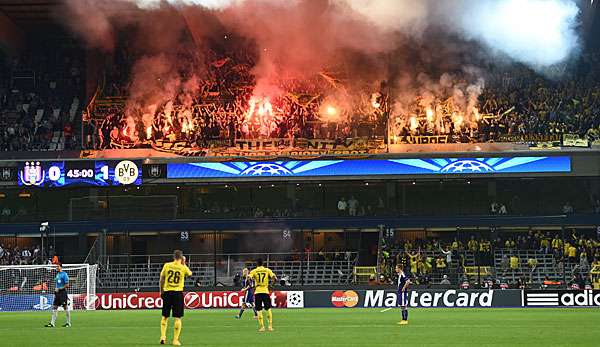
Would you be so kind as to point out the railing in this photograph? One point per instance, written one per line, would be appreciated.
(187, 223)
(89, 110)
(221, 269)
(118, 207)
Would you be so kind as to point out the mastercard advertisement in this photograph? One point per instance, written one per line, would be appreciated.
(347, 298)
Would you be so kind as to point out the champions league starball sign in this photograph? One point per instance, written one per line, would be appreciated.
(469, 166)
(267, 169)
(371, 167)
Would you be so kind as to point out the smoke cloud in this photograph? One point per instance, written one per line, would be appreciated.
(429, 48)
(535, 32)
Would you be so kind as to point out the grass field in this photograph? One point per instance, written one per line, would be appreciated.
(313, 327)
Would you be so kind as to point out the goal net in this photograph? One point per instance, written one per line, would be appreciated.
(31, 287)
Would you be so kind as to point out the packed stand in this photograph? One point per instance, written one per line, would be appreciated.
(575, 259)
(10, 255)
(219, 104)
(39, 98)
(517, 104)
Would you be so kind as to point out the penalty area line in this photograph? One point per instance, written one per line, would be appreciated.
(385, 309)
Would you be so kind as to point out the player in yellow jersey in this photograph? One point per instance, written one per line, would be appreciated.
(263, 277)
(172, 278)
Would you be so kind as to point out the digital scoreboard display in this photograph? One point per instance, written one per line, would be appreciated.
(370, 167)
(79, 173)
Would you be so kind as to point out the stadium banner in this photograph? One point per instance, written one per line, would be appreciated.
(342, 298)
(574, 140)
(561, 298)
(39, 302)
(530, 138)
(370, 167)
(192, 300)
(420, 140)
(543, 146)
(417, 298)
(293, 147)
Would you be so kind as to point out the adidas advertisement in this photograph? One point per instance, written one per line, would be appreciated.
(561, 298)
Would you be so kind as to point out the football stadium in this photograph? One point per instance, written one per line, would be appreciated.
(299, 172)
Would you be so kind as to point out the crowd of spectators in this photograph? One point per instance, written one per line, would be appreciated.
(222, 108)
(36, 90)
(10, 255)
(353, 208)
(516, 103)
(36, 94)
(519, 103)
(573, 256)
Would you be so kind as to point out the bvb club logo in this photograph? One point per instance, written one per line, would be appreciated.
(126, 172)
(347, 298)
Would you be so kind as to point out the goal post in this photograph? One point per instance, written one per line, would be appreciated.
(31, 287)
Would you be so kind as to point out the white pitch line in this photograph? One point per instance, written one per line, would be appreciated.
(385, 309)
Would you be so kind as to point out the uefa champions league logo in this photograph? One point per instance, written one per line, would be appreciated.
(275, 168)
(295, 299)
(467, 166)
(443, 166)
(266, 169)
(458, 166)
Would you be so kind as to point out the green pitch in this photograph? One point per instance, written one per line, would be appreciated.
(313, 327)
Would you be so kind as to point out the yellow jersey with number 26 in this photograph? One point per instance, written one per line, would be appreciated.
(174, 274)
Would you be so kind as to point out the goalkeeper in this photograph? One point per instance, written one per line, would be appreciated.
(61, 298)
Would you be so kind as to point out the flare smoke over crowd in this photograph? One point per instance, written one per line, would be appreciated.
(392, 56)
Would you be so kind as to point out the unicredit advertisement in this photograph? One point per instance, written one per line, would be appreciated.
(192, 300)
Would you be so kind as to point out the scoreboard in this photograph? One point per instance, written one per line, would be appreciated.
(79, 173)
(109, 173)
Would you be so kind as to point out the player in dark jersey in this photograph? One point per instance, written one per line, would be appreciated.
(248, 289)
(403, 295)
